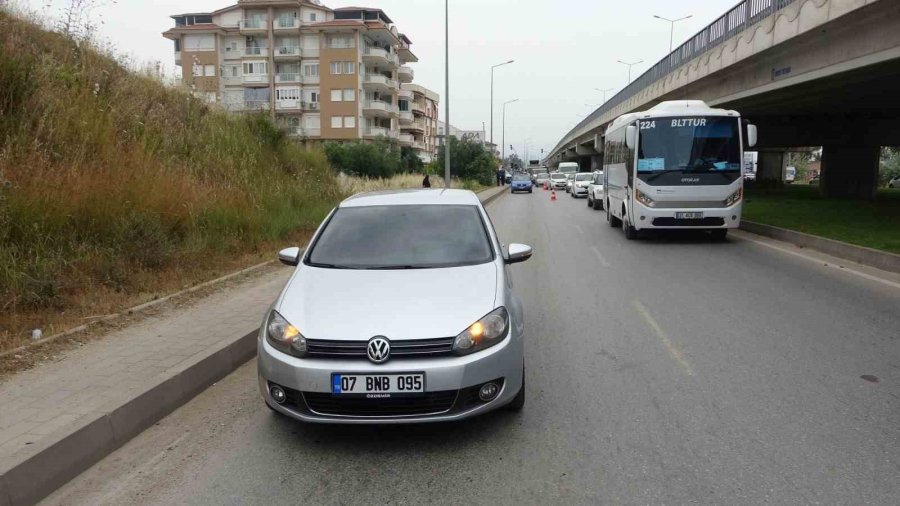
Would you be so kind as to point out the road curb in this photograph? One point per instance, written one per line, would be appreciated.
(859, 254)
(95, 436)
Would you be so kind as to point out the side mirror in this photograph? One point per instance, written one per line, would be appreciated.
(631, 136)
(518, 253)
(751, 135)
(290, 256)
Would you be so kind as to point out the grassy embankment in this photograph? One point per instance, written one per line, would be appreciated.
(115, 190)
(799, 207)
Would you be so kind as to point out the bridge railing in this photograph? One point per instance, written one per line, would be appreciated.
(733, 22)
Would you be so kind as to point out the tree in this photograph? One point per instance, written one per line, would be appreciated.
(410, 161)
(380, 158)
(468, 160)
(514, 162)
(890, 165)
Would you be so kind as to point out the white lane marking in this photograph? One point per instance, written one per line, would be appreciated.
(673, 350)
(823, 262)
(600, 257)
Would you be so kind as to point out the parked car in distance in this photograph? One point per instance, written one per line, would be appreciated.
(596, 195)
(521, 183)
(437, 332)
(570, 178)
(580, 184)
(508, 177)
(894, 183)
(558, 181)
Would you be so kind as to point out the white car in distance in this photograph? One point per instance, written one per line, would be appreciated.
(580, 184)
(596, 193)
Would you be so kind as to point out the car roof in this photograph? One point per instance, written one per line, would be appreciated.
(412, 197)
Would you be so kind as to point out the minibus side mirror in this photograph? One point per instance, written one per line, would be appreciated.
(631, 136)
(751, 135)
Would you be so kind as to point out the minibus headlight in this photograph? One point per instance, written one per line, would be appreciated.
(643, 199)
(734, 198)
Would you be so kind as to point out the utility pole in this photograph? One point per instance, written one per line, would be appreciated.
(503, 137)
(492, 95)
(672, 29)
(447, 94)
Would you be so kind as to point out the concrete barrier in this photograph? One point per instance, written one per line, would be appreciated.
(859, 254)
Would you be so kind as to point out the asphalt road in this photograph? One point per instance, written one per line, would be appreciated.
(672, 370)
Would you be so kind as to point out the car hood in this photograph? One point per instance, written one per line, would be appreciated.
(352, 305)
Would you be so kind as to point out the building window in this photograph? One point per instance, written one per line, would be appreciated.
(197, 70)
(314, 97)
(209, 70)
(349, 95)
(257, 68)
(337, 67)
(349, 67)
(287, 94)
(311, 69)
(177, 45)
(336, 95)
(349, 121)
(312, 16)
(340, 41)
(336, 122)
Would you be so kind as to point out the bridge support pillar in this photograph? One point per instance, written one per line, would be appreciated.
(770, 169)
(584, 163)
(849, 172)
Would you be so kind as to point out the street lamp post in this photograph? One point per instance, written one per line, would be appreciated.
(503, 136)
(492, 95)
(672, 29)
(631, 64)
(447, 94)
(604, 93)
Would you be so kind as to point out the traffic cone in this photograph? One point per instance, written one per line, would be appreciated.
(553, 195)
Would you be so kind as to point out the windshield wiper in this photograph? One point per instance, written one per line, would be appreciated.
(327, 266)
(394, 267)
(656, 175)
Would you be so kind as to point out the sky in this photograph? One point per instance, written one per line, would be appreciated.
(563, 51)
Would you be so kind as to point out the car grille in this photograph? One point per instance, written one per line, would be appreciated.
(674, 222)
(420, 348)
(432, 403)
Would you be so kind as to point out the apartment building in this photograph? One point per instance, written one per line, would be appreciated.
(324, 74)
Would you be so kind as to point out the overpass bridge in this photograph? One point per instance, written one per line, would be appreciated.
(807, 72)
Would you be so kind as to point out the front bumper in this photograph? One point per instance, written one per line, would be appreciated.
(713, 218)
(580, 190)
(521, 188)
(444, 376)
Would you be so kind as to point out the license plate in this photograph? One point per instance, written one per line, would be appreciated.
(378, 385)
(689, 216)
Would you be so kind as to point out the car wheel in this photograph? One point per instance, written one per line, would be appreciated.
(719, 234)
(598, 205)
(631, 233)
(530, 191)
(590, 203)
(518, 401)
(613, 221)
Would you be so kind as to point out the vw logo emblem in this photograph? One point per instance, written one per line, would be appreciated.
(379, 349)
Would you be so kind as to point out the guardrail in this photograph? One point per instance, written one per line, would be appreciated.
(736, 20)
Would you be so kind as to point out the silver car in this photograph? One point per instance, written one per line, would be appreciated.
(580, 184)
(400, 311)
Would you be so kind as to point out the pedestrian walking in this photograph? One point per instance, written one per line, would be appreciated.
(501, 177)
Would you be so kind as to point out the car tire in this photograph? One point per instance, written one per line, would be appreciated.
(613, 221)
(631, 233)
(719, 234)
(590, 203)
(518, 402)
(598, 205)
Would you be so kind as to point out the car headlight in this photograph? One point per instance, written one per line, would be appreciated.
(285, 337)
(643, 199)
(483, 334)
(734, 198)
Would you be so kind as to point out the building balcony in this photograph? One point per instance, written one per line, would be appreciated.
(416, 126)
(288, 77)
(417, 108)
(406, 117)
(418, 146)
(256, 79)
(379, 108)
(258, 52)
(310, 52)
(310, 106)
(256, 105)
(286, 23)
(232, 80)
(288, 105)
(406, 74)
(310, 132)
(406, 139)
(378, 56)
(254, 25)
(375, 132)
(405, 95)
(378, 82)
(287, 53)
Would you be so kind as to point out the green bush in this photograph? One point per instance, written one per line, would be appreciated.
(469, 160)
(377, 159)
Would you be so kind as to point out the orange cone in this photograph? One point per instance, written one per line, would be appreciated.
(553, 195)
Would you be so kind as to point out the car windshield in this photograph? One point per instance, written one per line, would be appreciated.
(402, 237)
(584, 177)
(557, 176)
(521, 177)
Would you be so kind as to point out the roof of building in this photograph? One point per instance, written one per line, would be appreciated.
(365, 9)
(411, 198)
